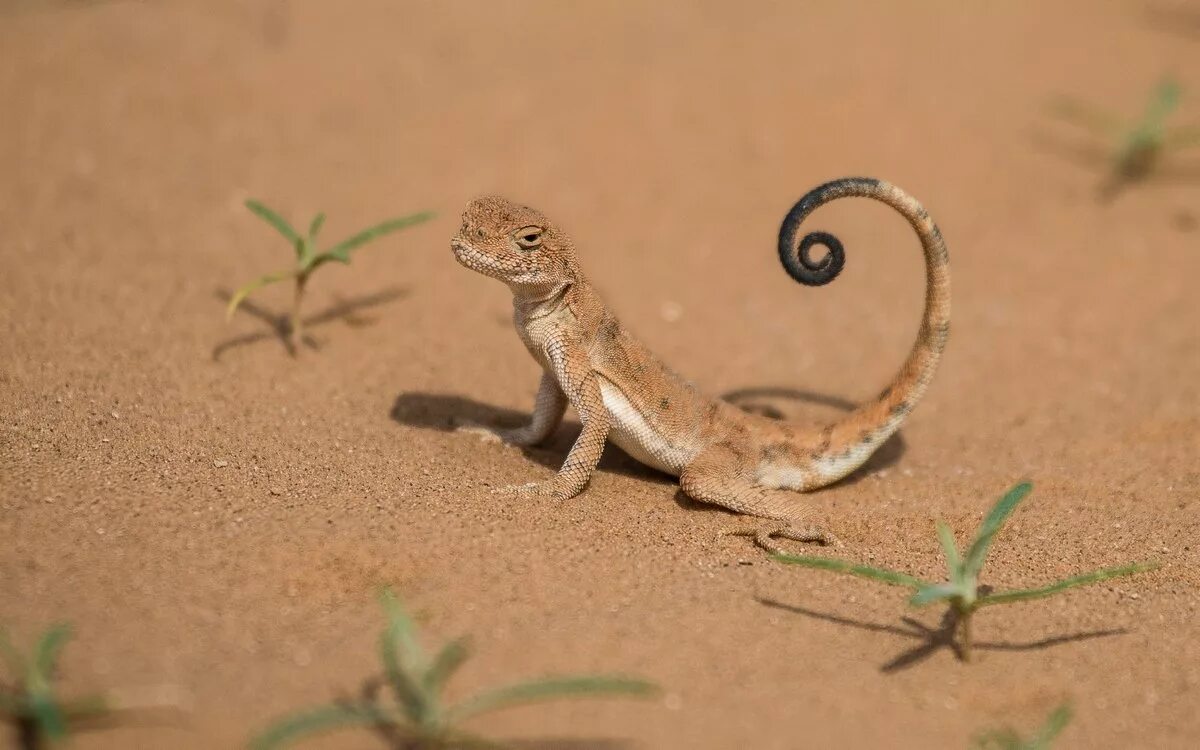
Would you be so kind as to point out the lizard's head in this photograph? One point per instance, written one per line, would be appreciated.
(515, 244)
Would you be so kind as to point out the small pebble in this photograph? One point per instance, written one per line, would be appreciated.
(220, 463)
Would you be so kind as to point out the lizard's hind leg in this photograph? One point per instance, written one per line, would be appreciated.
(724, 476)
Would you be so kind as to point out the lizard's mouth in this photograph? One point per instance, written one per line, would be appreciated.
(471, 258)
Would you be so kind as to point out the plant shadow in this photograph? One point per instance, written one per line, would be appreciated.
(30, 736)
(448, 413)
(345, 310)
(399, 737)
(1173, 19)
(933, 639)
(1166, 171)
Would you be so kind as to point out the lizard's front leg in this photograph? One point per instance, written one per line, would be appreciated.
(578, 382)
(548, 410)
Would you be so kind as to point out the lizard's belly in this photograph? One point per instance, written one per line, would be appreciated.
(634, 435)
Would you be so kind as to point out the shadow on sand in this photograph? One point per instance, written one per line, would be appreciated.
(930, 640)
(447, 412)
(278, 326)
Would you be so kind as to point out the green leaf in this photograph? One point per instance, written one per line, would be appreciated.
(315, 227)
(321, 719)
(259, 283)
(977, 553)
(45, 653)
(1162, 103)
(549, 689)
(342, 250)
(274, 220)
(446, 663)
(1054, 725)
(46, 714)
(950, 550)
(402, 658)
(999, 739)
(844, 566)
(402, 629)
(937, 592)
(321, 259)
(1084, 579)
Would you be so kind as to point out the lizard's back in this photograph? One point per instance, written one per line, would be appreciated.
(658, 417)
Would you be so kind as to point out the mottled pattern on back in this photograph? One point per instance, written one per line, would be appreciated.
(624, 394)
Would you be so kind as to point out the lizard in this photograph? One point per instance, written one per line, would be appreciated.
(722, 455)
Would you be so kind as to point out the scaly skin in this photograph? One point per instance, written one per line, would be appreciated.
(622, 392)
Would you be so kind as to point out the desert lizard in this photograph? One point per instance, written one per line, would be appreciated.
(623, 393)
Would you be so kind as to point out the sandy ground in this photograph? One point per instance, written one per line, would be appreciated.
(216, 515)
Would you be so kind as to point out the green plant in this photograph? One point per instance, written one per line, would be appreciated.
(30, 702)
(962, 591)
(1137, 147)
(417, 718)
(1008, 739)
(309, 259)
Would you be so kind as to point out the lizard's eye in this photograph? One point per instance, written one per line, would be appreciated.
(529, 237)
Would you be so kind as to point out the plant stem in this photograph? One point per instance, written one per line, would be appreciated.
(295, 327)
(964, 628)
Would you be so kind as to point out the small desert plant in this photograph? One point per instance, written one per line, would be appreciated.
(962, 591)
(309, 259)
(1008, 739)
(418, 718)
(29, 702)
(1137, 147)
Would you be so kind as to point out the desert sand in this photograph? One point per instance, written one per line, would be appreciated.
(214, 514)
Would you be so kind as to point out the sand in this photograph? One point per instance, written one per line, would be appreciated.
(216, 515)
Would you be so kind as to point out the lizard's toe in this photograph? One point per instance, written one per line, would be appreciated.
(763, 536)
(808, 534)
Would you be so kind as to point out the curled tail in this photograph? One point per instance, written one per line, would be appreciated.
(846, 444)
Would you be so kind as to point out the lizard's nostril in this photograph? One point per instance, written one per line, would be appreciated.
(479, 232)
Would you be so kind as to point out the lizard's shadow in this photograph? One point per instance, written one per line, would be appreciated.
(797, 406)
(447, 412)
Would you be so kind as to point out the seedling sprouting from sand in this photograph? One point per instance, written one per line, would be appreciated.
(417, 718)
(29, 701)
(1008, 739)
(309, 258)
(1137, 147)
(963, 592)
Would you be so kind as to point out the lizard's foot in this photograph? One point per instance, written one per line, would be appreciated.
(764, 533)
